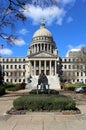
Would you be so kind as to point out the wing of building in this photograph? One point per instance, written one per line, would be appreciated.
(74, 66)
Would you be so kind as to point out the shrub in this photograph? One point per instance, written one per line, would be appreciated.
(2, 90)
(71, 87)
(7, 86)
(51, 91)
(15, 87)
(44, 102)
(84, 87)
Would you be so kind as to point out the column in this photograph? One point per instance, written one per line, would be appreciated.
(40, 47)
(50, 67)
(45, 67)
(34, 67)
(55, 67)
(34, 48)
(50, 48)
(30, 68)
(47, 47)
(44, 47)
(37, 48)
(39, 66)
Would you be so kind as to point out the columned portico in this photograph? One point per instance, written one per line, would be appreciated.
(47, 66)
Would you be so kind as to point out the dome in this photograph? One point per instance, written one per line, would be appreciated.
(42, 32)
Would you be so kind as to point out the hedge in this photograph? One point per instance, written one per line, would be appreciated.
(2, 90)
(71, 87)
(15, 87)
(51, 91)
(44, 102)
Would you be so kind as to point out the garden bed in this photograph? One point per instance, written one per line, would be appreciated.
(52, 102)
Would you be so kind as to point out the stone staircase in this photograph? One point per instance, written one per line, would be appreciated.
(53, 82)
(33, 83)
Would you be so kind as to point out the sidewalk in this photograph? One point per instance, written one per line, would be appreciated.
(39, 121)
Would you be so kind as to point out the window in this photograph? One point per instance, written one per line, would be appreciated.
(77, 66)
(11, 60)
(15, 66)
(65, 60)
(73, 60)
(15, 60)
(7, 66)
(7, 80)
(69, 66)
(73, 73)
(7, 74)
(73, 66)
(81, 73)
(19, 59)
(77, 80)
(73, 80)
(23, 59)
(81, 67)
(23, 73)
(77, 73)
(11, 80)
(11, 66)
(7, 60)
(65, 66)
(19, 66)
(10, 73)
(19, 80)
(23, 66)
(69, 60)
(15, 80)
(24, 80)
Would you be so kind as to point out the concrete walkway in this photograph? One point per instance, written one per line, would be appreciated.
(39, 121)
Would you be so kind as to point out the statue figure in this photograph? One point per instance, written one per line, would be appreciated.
(42, 82)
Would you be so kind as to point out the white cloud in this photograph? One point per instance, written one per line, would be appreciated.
(70, 47)
(50, 13)
(69, 19)
(18, 42)
(23, 31)
(5, 51)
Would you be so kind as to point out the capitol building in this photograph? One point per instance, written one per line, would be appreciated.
(42, 56)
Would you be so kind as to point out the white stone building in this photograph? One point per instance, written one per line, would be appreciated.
(74, 66)
(42, 56)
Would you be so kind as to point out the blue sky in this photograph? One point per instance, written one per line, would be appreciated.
(67, 23)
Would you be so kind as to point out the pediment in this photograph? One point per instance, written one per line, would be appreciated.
(43, 54)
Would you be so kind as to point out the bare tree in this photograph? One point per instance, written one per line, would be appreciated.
(68, 76)
(12, 11)
(9, 14)
(80, 60)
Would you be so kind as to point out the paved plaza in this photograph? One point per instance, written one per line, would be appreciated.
(42, 121)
